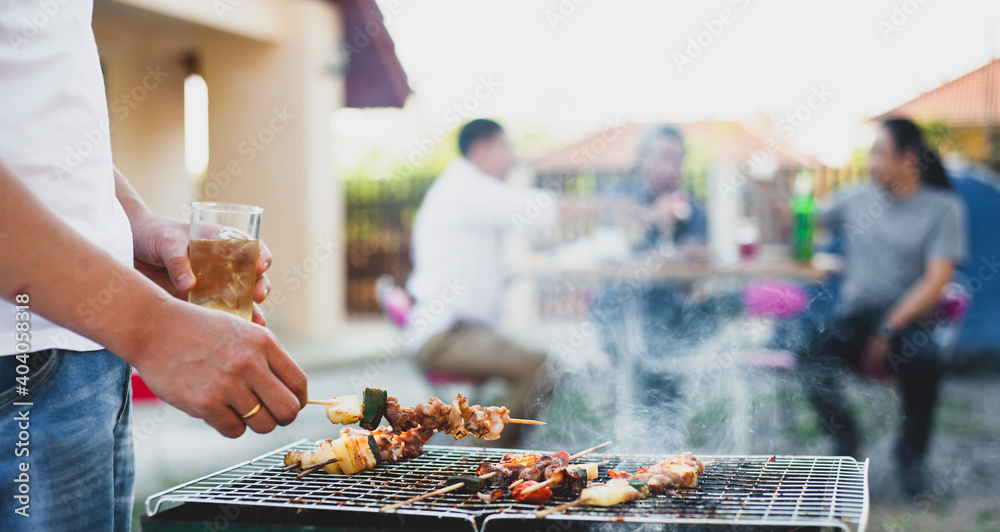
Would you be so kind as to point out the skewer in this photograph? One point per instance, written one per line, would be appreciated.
(429, 494)
(553, 480)
(511, 420)
(316, 467)
(525, 421)
(318, 402)
(539, 486)
(585, 452)
(542, 513)
(513, 485)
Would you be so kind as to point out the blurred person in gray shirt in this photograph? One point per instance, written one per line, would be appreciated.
(903, 237)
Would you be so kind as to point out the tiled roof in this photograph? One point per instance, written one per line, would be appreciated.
(605, 151)
(971, 100)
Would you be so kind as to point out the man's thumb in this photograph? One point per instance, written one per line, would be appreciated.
(175, 258)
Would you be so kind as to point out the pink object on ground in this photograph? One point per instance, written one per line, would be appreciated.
(397, 305)
(441, 378)
(140, 392)
(771, 359)
(774, 299)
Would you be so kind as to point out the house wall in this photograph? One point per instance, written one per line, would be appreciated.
(273, 81)
(275, 103)
(972, 142)
(144, 81)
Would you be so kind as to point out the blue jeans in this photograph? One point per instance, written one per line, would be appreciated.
(76, 443)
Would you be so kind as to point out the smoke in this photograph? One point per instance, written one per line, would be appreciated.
(667, 371)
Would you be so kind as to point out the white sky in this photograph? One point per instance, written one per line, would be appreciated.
(614, 58)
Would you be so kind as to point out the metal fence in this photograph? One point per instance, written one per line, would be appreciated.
(380, 217)
(379, 221)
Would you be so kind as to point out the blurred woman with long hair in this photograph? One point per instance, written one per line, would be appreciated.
(903, 235)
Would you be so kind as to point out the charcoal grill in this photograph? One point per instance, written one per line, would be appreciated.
(734, 493)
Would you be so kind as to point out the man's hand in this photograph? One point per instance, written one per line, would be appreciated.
(161, 254)
(663, 213)
(217, 367)
(210, 364)
(667, 209)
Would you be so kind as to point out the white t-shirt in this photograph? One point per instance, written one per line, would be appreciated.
(54, 118)
(458, 274)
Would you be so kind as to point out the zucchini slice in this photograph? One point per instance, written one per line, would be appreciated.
(373, 447)
(472, 483)
(374, 408)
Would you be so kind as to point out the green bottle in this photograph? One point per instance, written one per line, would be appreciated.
(803, 216)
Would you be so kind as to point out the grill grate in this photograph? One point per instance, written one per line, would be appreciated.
(791, 491)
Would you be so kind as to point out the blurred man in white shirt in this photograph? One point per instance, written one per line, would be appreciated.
(458, 275)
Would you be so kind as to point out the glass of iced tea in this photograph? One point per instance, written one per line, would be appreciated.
(223, 253)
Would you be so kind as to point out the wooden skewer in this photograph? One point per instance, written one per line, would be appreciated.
(539, 486)
(542, 513)
(585, 452)
(299, 464)
(429, 494)
(553, 480)
(592, 449)
(511, 420)
(459, 485)
(318, 402)
(525, 421)
(316, 467)
(306, 472)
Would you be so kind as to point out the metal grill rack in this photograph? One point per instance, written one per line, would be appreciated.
(743, 491)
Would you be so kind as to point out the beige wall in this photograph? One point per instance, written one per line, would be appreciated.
(274, 149)
(270, 100)
(145, 86)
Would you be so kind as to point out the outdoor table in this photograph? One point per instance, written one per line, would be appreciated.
(651, 270)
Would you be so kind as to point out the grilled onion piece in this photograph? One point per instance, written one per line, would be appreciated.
(346, 410)
(611, 493)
